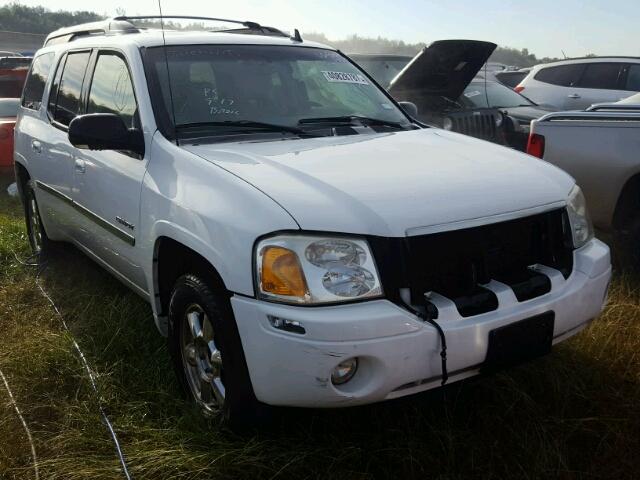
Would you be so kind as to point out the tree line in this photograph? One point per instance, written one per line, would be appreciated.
(20, 18)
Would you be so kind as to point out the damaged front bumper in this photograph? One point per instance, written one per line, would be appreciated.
(398, 353)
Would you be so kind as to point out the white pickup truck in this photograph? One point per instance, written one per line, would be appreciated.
(599, 148)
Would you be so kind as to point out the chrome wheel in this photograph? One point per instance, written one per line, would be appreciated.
(201, 358)
(35, 226)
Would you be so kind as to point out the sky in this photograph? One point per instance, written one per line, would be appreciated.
(545, 27)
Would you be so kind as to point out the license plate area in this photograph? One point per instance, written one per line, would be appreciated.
(519, 342)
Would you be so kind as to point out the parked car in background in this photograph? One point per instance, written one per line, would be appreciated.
(302, 241)
(8, 113)
(511, 78)
(490, 69)
(433, 81)
(13, 72)
(580, 82)
(599, 148)
(518, 110)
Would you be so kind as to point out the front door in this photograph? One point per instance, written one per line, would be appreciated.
(107, 183)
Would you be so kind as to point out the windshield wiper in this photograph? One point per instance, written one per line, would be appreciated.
(350, 120)
(243, 125)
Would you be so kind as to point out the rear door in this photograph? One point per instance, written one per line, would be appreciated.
(53, 171)
(553, 85)
(599, 82)
(107, 183)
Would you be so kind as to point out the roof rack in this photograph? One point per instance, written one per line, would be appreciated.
(68, 34)
(124, 24)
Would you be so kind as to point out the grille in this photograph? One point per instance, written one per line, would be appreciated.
(479, 124)
(456, 264)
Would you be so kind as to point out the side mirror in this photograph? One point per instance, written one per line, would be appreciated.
(104, 131)
(410, 108)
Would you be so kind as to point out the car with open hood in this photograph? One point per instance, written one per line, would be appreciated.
(517, 109)
(433, 81)
(302, 241)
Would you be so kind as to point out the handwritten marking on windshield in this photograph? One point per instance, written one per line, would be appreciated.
(219, 105)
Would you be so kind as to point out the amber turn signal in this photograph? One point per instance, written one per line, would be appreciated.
(281, 273)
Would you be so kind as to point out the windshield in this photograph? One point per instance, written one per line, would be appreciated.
(9, 107)
(498, 95)
(277, 85)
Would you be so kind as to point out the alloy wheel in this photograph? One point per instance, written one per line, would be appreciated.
(202, 359)
(35, 226)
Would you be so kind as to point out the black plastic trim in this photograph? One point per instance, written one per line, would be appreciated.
(125, 237)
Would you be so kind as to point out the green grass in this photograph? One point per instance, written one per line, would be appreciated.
(573, 414)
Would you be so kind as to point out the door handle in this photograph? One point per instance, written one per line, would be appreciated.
(574, 95)
(36, 146)
(79, 165)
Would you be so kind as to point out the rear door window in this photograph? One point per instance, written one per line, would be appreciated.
(67, 102)
(34, 88)
(563, 75)
(603, 76)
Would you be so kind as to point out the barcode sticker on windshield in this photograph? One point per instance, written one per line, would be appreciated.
(343, 77)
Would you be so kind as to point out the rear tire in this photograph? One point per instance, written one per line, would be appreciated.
(207, 353)
(40, 243)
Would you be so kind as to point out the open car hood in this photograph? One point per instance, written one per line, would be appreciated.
(444, 68)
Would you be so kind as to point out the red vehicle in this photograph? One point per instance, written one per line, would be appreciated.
(13, 73)
(8, 113)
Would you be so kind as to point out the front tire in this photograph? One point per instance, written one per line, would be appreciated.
(207, 353)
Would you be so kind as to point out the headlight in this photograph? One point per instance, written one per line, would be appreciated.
(447, 123)
(581, 227)
(312, 270)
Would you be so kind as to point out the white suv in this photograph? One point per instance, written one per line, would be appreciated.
(579, 83)
(300, 239)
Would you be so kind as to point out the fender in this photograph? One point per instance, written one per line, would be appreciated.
(208, 210)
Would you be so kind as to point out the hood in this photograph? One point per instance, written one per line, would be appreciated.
(388, 184)
(632, 100)
(444, 68)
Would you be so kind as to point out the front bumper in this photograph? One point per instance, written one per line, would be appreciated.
(398, 353)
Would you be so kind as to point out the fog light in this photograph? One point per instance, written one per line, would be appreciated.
(344, 371)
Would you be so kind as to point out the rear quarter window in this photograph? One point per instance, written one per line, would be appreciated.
(562, 75)
(633, 79)
(36, 81)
